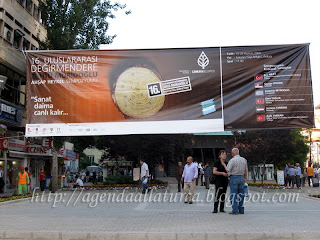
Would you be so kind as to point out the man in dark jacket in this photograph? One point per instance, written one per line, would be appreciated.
(207, 174)
(179, 176)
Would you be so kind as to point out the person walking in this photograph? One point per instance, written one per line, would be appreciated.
(298, 175)
(237, 169)
(220, 171)
(1, 180)
(207, 174)
(42, 177)
(179, 176)
(189, 176)
(23, 181)
(310, 172)
(291, 176)
(144, 175)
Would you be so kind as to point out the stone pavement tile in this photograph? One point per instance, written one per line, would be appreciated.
(251, 236)
(18, 235)
(74, 236)
(221, 236)
(46, 235)
(162, 236)
(279, 236)
(133, 236)
(306, 236)
(1, 235)
(192, 236)
(104, 236)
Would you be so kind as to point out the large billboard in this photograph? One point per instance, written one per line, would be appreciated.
(194, 90)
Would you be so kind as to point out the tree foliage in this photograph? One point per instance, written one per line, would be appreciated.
(278, 147)
(75, 24)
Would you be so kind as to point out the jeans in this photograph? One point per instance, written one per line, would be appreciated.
(298, 181)
(207, 182)
(42, 184)
(144, 185)
(237, 193)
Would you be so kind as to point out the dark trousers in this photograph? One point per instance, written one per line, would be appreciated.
(1, 185)
(201, 176)
(207, 179)
(291, 181)
(220, 195)
(180, 183)
(310, 180)
(298, 181)
(42, 185)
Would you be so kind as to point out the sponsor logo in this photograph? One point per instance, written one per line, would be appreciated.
(203, 60)
(261, 118)
(258, 77)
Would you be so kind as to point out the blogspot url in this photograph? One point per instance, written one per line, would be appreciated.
(93, 199)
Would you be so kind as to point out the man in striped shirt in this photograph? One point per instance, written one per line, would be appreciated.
(238, 170)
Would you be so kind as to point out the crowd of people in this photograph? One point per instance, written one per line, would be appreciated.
(84, 176)
(297, 176)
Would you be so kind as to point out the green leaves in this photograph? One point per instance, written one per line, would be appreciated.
(77, 24)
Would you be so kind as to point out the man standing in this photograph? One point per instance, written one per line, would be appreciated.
(286, 176)
(238, 170)
(189, 176)
(144, 174)
(298, 175)
(179, 176)
(1, 180)
(23, 180)
(207, 174)
(29, 184)
(310, 171)
(42, 176)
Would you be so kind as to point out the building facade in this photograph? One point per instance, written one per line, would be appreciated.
(20, 29)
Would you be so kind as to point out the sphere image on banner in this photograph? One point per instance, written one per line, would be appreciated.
(131, 93)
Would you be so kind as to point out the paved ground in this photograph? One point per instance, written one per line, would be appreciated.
(164, 218)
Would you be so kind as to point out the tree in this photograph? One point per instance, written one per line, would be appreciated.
(74, 24)
(277, 146)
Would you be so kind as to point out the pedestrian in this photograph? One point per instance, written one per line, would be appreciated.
(316, 172)
(2, 183)
(275, 175)
(221, 184)
(202, 174)
(207, 174)
(29, 184)
(310, 171)
(298, 175)
(144, 175)
(87, 175)
(94, 177)
(286, 174)
(23, 180)
(197, 164)
(189, 176)
(42, 177)
(83, 176)
(179, 176)
(237, 170)
(78, 183)
(291, 176)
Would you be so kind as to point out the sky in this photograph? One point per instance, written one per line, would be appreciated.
(211, 23)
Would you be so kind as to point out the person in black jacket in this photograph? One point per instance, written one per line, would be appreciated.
(220, 172)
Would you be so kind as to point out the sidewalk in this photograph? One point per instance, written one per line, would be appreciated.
(159, 220)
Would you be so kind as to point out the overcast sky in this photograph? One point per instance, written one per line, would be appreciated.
(210, 23)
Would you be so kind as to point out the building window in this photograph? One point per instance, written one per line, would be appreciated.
(22, 2)
(29, 5)
(91, 158)
(26, 44)
(17, 38)
(35, 12)
(33, 47)
(14, 90)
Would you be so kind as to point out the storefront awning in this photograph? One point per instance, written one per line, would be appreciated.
(17, 154)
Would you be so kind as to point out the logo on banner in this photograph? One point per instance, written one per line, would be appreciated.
(203, 60)
(258, 77)
(258, 85)
(4, 143)
(154, 89)
(260, 109)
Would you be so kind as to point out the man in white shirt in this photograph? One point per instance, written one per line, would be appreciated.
(189, 176)
(79, 182)
(144, 174)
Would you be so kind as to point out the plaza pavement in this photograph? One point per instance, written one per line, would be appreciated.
(149, 220)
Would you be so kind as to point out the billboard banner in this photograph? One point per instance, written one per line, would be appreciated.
(195, 90)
